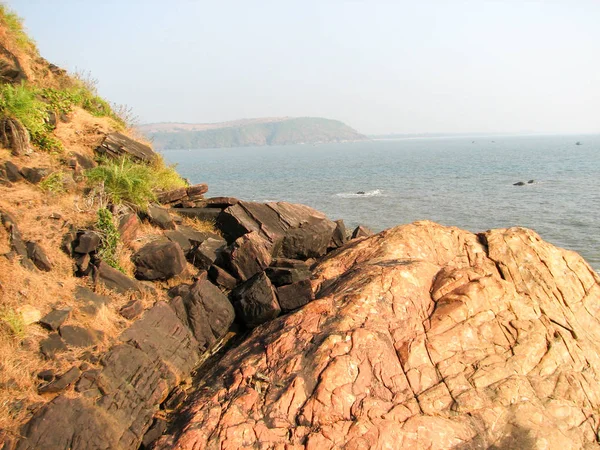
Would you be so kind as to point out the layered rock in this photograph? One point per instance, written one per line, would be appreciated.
(421, 336)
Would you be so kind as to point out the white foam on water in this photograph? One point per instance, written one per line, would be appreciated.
(374, 193)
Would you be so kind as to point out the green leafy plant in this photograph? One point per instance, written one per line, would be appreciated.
(14, 321)
(134, 183)
(109, 234)
(53, 183)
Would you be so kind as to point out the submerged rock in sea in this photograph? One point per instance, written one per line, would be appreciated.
(421, 336)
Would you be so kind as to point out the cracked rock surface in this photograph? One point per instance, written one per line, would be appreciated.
(421, 336)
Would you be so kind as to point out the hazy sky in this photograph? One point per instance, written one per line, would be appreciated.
(380, 66)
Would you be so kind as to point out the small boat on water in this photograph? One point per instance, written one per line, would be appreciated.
(577, 143)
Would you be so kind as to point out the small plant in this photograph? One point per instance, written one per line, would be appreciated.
(14, 321)
(107, 250)
(53, 183)
(133, 183)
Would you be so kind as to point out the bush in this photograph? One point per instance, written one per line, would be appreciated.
(53, 183)
(107, 250)
(133, 183)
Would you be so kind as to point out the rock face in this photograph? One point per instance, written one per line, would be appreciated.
(421, 336)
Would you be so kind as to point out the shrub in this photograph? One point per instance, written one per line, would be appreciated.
(107, 251)
(53, 183)
(134, 183)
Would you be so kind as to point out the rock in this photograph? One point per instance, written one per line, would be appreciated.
(361, 231)
(12, 172)
(55, 318)
(61, 382)
(255, 301)
(205, 254)
(205, 214)
(83, 264)
(293, 231)
(132, 310)
(29, 314)
(117, 145)
(77, 336)
(52, 345)
(531, 182)
(46, 375)
(519, 183)
(129, 226)
(68, 242)
(290, 263)
(220, 202)
(206, 311)
(280, 276)
(179, 291)
(35, 174)
(87, 242)
(421, 336)
(196, 190)
(91, 302)
(196, 237)
(159, 260)
(340, 235)
(84, 161)
(160, 217)
(294, 296)
(113, 279)
(37, 255)
(246, 257)
(180, 238)
(221, 277)
(14, 135)
(156, 430)
(87, 382)
(172, 195)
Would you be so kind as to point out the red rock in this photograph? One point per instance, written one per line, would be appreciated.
(422, 336)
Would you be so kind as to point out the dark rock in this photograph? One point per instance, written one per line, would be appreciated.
(340, 235)
(52, 345)
(247, 256)
(159, 260)
(87, 242)
(132, 310)
(290, 263)
(160, 217)
(12, 172)
(129, 226)
(281, 276)
(196, 237)
(179, 291)
(220, 202)
(68, 242)
(82, 261)
(156, 430)
(361, 231)
(207, 214)
(62, 382)
(205, 254)
(304, 231)
(14, 135)
(221, 277)
(180, 238)
(35, 174)
(113, 279)
(175, 399)
(172, 196)
(531, 182)
(55, 318)
(91, 301)
(293, 296)
(255, 301)
(46, 375)
(87, 381)
(69, 423)
(78, 336)
(519, 183)
(17, 244)
(197, 189)
(37, 255)
(208, 312)
(84, 161)
(117, 145)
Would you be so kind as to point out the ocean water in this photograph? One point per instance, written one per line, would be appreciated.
(464, 182)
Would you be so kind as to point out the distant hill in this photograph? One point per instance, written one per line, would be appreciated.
(249, 132)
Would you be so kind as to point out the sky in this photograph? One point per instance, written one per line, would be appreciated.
(381, 66)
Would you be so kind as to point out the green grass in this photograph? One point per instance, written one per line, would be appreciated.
(133, 183)
(109, 233)
(53, 183)
(15, 24)
(14, 321)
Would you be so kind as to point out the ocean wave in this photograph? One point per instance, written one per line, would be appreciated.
(361, 194)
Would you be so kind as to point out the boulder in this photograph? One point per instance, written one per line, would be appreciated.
(159, 260)
(132, 309)
(35, 174)
(422, 336)
(117, 145)
(14, 135)
(172, 195)
(294, 296)
(340, 235)
(89, 300)
(76, 336)
(129, 227)
(52, 345)
(361, 231)
(221, 278)
(293, 231)
(220, 202)
(160, 217)
(205, 214)
(83, 264)
(37, 255)
(55, 318)
(205, 254)
(255, 301)
(113, 279)
(290, 263)
(196, 190)
(246, 257)
(281, 276)
(196, 237)
(206, 311)
(62, 382)
(87, 242)
(180, 238)
(13, 173)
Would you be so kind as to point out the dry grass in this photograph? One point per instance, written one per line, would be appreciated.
(205, 226)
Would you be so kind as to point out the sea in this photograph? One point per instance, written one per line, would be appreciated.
(466, 182)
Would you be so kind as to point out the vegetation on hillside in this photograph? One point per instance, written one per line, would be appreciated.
(301, 130)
